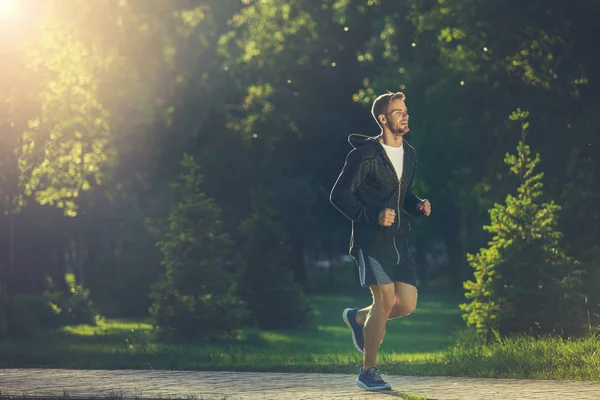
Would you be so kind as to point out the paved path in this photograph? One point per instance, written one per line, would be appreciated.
(274, 386)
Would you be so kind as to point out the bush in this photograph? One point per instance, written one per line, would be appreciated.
(590, 288)
(31, 313)
(74, 306)
(187, 316)
(193, 298)
(523, 281)
(266, 281)
(4, 312)
(119, 276)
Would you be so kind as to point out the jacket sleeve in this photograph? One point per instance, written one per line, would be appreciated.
(343, 195)
(411, 203)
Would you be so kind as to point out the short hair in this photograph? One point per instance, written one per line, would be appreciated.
(381, 103)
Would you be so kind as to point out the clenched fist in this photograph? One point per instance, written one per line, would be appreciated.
(387, 217)
(425, 207)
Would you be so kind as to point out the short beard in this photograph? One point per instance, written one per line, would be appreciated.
(400, 131)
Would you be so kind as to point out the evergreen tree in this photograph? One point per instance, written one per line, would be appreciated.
(266, 281)
(524, 282)
(193, 298)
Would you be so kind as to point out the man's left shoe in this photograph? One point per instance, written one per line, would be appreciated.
(358, 338)
(371, 380)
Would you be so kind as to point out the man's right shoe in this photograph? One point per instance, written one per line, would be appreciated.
(371, 380)
(358, 338)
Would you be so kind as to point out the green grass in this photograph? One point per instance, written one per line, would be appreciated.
(426, 343)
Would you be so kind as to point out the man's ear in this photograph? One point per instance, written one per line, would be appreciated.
(382, 118)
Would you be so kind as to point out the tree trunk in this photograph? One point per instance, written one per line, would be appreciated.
(11, 244)
(298, 267)
(331, 271)
(58, 269)
(456, 252)
(81, 261)
(6, 281)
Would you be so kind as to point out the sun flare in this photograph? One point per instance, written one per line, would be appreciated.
(8, 8)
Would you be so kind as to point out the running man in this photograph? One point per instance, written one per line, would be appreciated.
(374, 192)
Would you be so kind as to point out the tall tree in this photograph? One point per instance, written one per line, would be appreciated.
(541, 57)
(192, 299)
(524, 282)
(297, 65)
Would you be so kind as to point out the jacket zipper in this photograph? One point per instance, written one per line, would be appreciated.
(398, 217)
(398, 203)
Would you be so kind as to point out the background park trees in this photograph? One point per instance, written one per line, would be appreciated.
(99, 101)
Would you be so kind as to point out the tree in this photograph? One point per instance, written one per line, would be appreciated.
(193, 298)
(65, 146)
(265, 281)
(53, 139)
(296, 68)
(524, 281)
(540, 58)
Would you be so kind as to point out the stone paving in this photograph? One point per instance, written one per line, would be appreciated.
(148, 384)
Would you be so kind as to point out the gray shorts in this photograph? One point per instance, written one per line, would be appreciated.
(384, 270)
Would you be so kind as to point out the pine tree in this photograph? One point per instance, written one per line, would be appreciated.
(193, 298)
(524, 281)
(266, 280)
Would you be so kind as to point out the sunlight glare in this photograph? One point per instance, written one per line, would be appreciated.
(8, 8)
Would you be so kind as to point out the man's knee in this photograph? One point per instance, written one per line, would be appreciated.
(402, 310)
(386, 306)
(383, 302)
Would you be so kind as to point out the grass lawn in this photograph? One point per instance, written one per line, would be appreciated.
(428, 342)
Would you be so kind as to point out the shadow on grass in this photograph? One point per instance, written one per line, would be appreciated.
(126, 344)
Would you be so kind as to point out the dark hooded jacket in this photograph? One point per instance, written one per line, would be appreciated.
(367, 185)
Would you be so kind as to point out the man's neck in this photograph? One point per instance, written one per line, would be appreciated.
(389, 139)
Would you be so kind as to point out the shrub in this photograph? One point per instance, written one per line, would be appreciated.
(73, 306)
(266, 281)
(590, 288)
(30, 313)
(193, 298)
(524, 282)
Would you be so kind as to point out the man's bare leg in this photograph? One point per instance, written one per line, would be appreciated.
(405, 303)
(405, 300)
(383, 303)
(361, 315)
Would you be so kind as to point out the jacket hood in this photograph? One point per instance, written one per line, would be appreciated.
(357, 140)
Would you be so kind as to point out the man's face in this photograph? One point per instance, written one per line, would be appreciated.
(397, 117)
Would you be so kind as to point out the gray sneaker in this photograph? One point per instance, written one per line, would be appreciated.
(358, 338)
(371, 380)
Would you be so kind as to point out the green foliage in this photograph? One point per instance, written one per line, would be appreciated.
(65, 147)
(524, 356)
(267, 36)
(540, 50)
(192, 299)
(30, 313)
(266, 281)
(408, 349)
(107, 95)
(524, 282)
(33, 313)
(591, 277)
(74, 306)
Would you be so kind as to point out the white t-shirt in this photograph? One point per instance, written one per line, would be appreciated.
(396, 156)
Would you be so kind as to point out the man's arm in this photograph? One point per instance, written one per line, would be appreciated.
(416, 206)
(343, 194)
(412, 203)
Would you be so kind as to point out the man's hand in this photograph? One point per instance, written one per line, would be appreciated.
(424, 207)
(387, 217)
